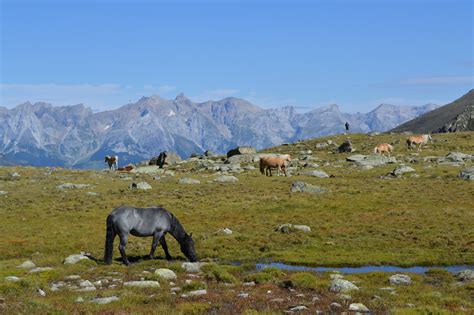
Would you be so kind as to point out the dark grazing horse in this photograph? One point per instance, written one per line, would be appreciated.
(154, 221)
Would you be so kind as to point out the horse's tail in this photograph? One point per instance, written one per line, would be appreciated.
(390, 148)
(109, 241)
(376, 150)
(408, 143)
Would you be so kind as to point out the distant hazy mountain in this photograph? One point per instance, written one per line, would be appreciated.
(455, 116)
(41, 134)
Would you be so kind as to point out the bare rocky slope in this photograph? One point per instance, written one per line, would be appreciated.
(455, 116)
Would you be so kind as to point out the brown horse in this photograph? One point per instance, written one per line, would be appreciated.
(112, 161)
(418, 140)
(267, 163)
(383, 148)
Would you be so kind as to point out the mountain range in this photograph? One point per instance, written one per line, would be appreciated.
(41, 134)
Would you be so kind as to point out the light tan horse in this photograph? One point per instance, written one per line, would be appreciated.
(267, 163)
(418, 140)
(383, 148)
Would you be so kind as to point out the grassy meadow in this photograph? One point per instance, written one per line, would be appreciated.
(363, 219)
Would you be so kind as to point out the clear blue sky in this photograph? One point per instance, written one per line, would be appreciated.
(305, 53)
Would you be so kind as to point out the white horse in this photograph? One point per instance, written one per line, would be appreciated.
(112, 161)
(418, 140)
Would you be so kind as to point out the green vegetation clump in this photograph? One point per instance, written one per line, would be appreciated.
(307, 280)
(270, 274)
(218, 273)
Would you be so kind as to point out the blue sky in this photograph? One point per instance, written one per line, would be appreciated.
(357, 54)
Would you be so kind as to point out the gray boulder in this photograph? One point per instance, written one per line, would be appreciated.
(306, 188)
(142, 284)
(241, 150)
(458, 157)
(73, 186)
(190, 181)
(358, 307)
(288, 228)
(400, 279)
(402, 169)
(372, 160)
(191, 267)
(226, 179)
(75, 258)
(27, 265)
(105, 300)
(316, 173)
(467, 174)
(209, 154)
(167, 274)
(342, 285)
(465, 275)
(141, 185)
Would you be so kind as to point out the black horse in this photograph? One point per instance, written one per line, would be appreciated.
(154, 221)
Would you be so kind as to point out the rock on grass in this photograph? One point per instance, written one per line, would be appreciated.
(142, 284)
(400, 279)
(74, 259)
(341, 285)
(165, 273)
(306, 188)
(467, 174)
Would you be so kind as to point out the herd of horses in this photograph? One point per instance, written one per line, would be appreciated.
(157, 221)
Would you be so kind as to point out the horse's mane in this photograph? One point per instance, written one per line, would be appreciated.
(176, 229)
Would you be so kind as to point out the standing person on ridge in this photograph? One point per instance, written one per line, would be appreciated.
(347, 126)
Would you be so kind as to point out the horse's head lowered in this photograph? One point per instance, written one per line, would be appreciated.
(107, 158)
(187, 247)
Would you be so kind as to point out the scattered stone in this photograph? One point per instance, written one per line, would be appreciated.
(321, 145)
(335, 306)
(15, 175)
(388, 289)
(73, 277)
(226, 179)
(467, 174)
(3, 193)
(243, 295)
(249, 284)
(299, 308)
(142, 284)
(75, 258)
(198, 292)
(92, 194)
(192, 267)
(400, 279)
(372, 160)
(12, 279)
(226, 231)
(402, 169)
(27, 265)
(105, 300)
(80, 299)
(306, 188)
(288, 228)
(141, 185)
(41, 292)
(165, 273)
(175, 289)
(341, 285)
(336, 276)
(316, 173)
(85, 283)
(73, 186)
(40, 269)
(465, 275)
(458, 157)
(344, 297)
(358, 307)
(188, 181)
